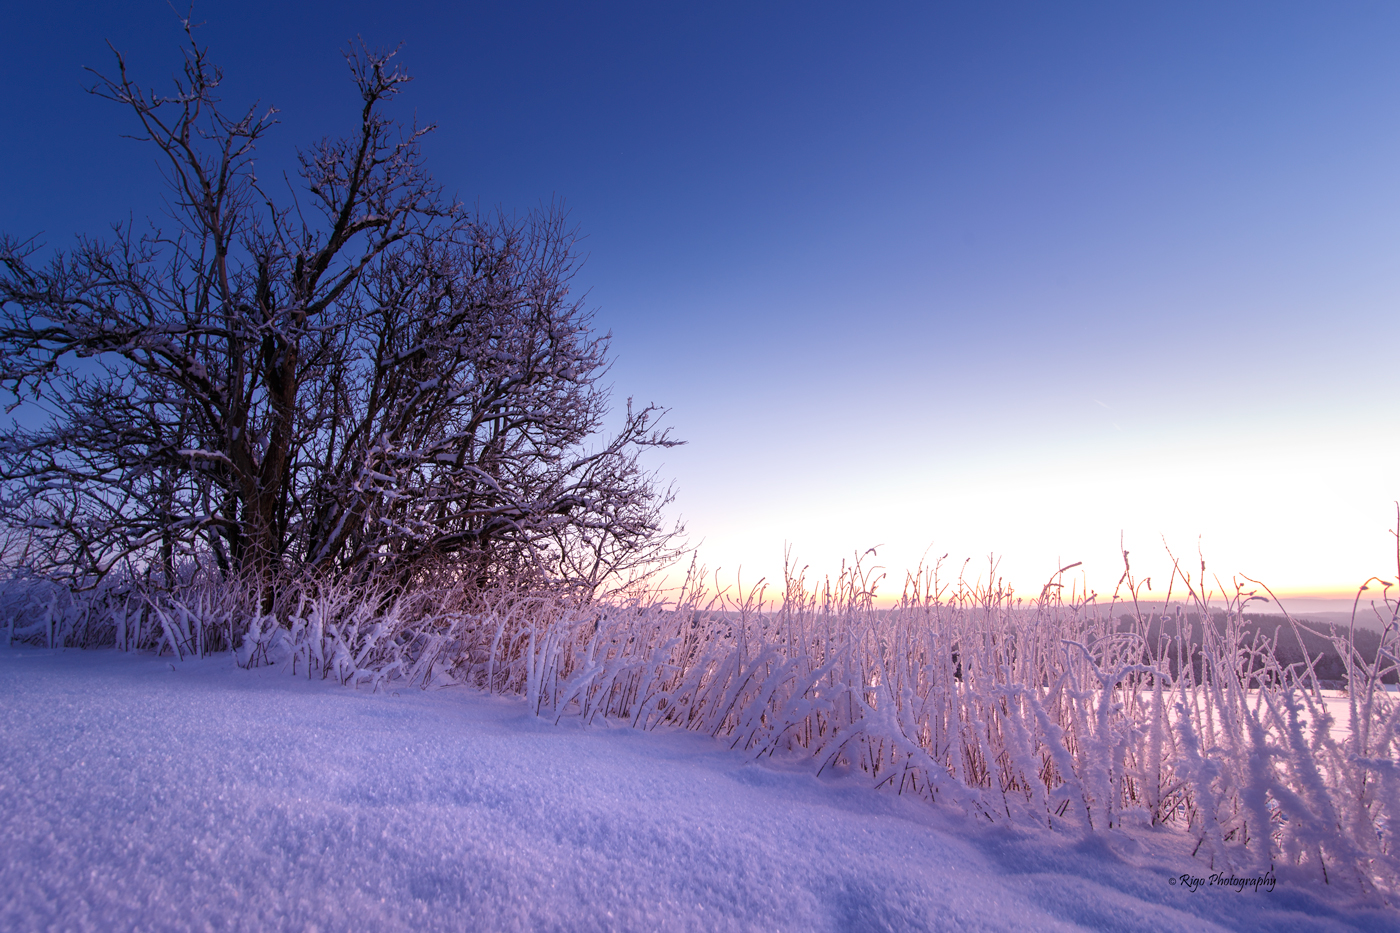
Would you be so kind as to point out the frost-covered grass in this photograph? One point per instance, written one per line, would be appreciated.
(1081, 717)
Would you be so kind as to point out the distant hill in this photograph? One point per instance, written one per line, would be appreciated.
(1329, 666)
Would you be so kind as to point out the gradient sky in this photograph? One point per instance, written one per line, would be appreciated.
(955, 278)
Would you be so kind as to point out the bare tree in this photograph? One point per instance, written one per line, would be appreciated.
(366, 378)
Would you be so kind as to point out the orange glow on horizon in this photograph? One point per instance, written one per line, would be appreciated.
(890, 587)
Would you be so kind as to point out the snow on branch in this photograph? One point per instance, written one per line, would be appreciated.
(365, 379)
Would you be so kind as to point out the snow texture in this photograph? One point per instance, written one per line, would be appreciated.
(156, 794)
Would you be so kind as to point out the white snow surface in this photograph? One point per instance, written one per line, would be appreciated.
(148, 793)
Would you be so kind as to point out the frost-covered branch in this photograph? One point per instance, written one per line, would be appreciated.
(367, 379)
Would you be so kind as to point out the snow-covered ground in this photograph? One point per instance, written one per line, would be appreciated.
(145, 793)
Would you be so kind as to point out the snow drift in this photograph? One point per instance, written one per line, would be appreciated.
(160, 794)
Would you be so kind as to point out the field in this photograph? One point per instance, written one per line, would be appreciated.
(161, 794)
(1203, 733)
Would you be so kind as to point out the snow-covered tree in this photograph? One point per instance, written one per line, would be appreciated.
(359, 378)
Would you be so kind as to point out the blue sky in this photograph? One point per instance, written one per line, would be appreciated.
(1012, 278)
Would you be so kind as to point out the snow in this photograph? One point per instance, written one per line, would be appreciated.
(143, 792)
